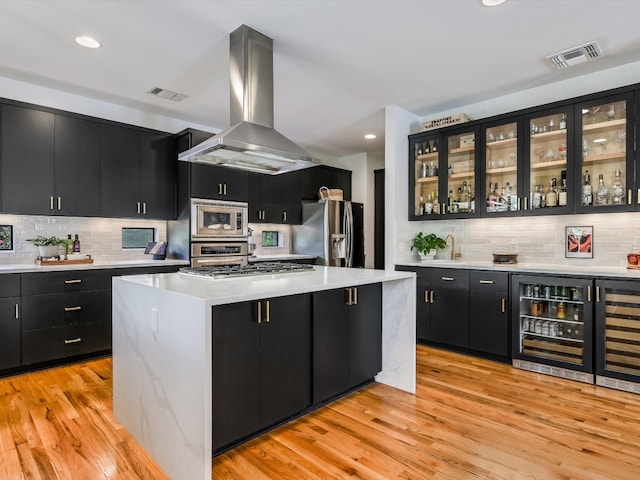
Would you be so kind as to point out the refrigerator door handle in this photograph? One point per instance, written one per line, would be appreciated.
(347, 227)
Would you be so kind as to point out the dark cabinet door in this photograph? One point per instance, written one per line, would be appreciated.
(450, 308)
(158, 173)
(489, 313)
(423, 307)
(235, 184)
(292, 198)
(255, 197)
(324, 176)
(285, 342)
(27, 160)
(78, 183)
(9, 332)
(365, 333)
(271, 198)
(205, 181)
(236, 373)
(120, 153)
(330, 344)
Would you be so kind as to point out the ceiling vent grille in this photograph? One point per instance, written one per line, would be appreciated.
(573, 56)
(167, 94)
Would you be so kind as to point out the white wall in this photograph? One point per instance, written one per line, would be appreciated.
(537, 239)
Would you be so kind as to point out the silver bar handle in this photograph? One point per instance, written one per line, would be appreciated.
(51, 202)
(268, 306)
(355, 296)
(431, 296)
(224, 190)
(487, 282)
(73, 340)
(144, 208)
(503, 305)
(448, 279)
(59, 203)
(77, 280)
(518, 204)
(526, 203)
(284, 216)
(138, 209)
(630, 197)
(72, 309)
(17, 311)
(598, 294)
(589, 293)
(426, 296)
(349, 296)
(259, 313)
(219, 189)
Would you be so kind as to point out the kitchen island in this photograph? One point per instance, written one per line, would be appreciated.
(162, 350)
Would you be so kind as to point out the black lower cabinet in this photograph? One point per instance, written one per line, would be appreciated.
(347, 339)
(261, 365)
(489, 313)
(9, 332)
(450, 307)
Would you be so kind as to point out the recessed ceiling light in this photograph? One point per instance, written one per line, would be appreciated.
(492, 3)
(370, 136)
(88, 42)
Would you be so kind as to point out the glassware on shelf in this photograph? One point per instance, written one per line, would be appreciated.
(621, 140)
(611, 113)
(562, 151)
(550, 155)
(539, 151)
(617, 190)
(586, 149)
(602, 193)
(425, 170)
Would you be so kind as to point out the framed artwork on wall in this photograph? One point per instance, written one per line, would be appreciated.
(579, 242)
(6, 237)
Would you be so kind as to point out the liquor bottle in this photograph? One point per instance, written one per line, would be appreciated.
(459, 205)
(68, 244)
(563, 123)
(76, 244)
(425, 170)
(421, 206)
(602, 193)
(492, 200)
(587, 191)
(464, 197)
(453, 206)
(562, 196)
(428, 207)
(472, 199)
(425, 148)
(436, 203)
(617, 190)
(552, 196)
(551, 124)
(432, 170)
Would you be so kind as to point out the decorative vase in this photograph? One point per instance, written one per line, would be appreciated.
(48, 251)
(427, 256)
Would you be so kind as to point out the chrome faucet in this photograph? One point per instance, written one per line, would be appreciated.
(454, 254)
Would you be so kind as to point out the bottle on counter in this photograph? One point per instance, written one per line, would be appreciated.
(617, 190)
(68, 244)
(602, 193)
(587, 191)
(76, 244)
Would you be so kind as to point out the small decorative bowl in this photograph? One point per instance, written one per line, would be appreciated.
(505, 258)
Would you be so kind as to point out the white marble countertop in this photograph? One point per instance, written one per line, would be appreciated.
(280, 257)
(25, 267)
(219, 291)
(550, 268)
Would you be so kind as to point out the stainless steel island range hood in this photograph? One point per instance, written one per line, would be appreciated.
(251, 143)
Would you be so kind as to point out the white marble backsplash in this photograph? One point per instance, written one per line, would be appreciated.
(99, 237)
(534, 239)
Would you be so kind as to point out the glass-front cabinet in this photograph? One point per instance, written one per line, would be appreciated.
(548, 171)
(552, 326)
(501, 172)
(424, 176)
(604, 143)
(617, 328)
(461, 180)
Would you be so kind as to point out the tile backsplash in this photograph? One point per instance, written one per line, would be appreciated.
(534, 239)
(99, 237)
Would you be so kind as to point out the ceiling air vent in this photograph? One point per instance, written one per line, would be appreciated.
(573, 56)
(168, 94)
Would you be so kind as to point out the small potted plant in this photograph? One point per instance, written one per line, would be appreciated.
(47, 246)
(427, 245)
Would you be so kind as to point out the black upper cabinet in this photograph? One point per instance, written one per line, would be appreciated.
(275, 198)
(120, 151)
(158, 173)
(77, 167)
(27, 160)
(219, 183)
(138, 173)
(291, 197)
(190, 137)
(324, 176)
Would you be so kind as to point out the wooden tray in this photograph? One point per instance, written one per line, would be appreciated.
(64, 262)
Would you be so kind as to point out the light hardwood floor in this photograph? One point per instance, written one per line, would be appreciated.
(470, 419)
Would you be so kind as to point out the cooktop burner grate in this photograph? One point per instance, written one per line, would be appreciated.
(266, 268)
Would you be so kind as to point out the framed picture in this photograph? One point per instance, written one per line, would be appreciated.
(6, 237)
(579, 242)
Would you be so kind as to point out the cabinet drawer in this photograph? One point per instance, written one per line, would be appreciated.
(450, 278)
(489, 281)
(46, 311)
(65, 282)
(62, 342)
(10, 285)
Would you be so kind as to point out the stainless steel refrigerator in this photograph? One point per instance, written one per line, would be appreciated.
(333, 231)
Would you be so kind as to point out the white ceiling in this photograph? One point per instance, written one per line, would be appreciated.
(337, 63)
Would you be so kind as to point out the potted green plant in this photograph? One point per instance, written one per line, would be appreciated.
(47, 246)
(427, 245)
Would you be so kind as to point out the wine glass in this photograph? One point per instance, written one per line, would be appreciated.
(611, 113)
(621, 140)
(539, 151)
(593, 111)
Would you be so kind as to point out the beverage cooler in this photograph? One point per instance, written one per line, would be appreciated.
(618, 334)
(553, 326)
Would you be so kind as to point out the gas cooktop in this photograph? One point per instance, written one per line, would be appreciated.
(249, 270)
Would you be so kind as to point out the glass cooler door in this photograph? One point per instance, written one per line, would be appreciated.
(552, 330)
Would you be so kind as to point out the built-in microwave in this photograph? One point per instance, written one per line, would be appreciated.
(218, 220)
